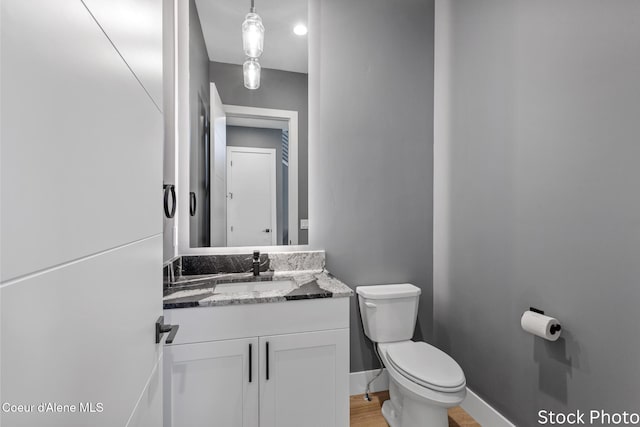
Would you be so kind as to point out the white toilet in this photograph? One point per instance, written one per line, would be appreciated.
(424, 381)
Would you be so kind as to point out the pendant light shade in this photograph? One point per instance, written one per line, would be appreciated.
(251, 71)
(252, 43)
(252, 35)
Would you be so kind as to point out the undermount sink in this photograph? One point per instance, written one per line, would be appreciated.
(240, 287)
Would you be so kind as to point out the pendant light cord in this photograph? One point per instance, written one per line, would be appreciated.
(253, 7)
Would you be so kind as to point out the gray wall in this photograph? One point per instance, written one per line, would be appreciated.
(198, 93)
(240, 136)
(536, 200)
(371, 76)
(280, 90)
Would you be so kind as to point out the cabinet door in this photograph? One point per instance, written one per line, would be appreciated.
(304, 379)
(212, 384)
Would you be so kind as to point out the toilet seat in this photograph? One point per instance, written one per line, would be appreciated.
(426, 366)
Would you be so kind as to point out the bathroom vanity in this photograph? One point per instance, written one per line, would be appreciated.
(268, 351)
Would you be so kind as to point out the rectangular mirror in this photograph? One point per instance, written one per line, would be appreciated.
(248, 147)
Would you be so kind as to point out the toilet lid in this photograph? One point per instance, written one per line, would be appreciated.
(426, 365)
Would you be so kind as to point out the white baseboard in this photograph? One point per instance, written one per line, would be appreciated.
(358, 381)
(482, 412)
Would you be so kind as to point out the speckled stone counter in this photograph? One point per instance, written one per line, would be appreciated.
(304, 269)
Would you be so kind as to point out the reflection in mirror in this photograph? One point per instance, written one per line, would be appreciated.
(248, 152)
(199, 195)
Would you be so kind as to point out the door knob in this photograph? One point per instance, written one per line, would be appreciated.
(161, 328)
(266, 230)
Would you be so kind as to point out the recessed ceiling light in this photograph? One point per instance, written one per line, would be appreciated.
(300, 29)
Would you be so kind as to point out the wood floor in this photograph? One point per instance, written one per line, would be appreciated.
(367, 414)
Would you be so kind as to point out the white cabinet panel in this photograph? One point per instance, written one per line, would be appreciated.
(84, 333)
(81, 140)
(212, 384)
(199, 324)
(307, 381)
(135, 28)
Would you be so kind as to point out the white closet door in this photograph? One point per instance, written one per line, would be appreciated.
(251, 199)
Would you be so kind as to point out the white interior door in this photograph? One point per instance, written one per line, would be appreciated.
(219, 170)
(212, 384)
(251, 196)
(81, 221)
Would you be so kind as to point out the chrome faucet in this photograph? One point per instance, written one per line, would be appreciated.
(256, 263)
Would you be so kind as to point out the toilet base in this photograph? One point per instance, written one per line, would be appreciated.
(390, 414)
(402, 411)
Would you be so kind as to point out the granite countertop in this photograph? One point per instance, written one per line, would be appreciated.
(200, 290)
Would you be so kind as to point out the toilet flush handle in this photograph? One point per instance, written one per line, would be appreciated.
(370, 304)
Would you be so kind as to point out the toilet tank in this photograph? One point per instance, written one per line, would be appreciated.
(389, 312)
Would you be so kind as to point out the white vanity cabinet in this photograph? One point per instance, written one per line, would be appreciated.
(283, 364)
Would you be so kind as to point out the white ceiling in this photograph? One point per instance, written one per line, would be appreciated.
(221, 21)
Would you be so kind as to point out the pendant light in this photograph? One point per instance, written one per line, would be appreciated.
(252, 44)
(251, 72)
(252, 33)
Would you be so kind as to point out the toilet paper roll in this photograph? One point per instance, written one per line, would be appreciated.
(543, 326)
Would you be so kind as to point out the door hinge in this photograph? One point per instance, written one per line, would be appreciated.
(231, 163)
(232, 228)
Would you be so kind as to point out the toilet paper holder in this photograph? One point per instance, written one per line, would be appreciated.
(554, 328)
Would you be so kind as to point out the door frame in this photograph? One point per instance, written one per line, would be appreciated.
(274, 186)
(184, 247)
(291, 117)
